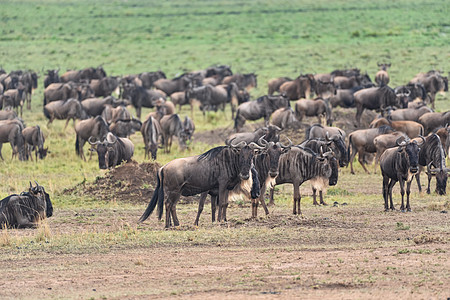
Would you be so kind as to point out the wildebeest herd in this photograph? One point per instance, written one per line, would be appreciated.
(407, 136)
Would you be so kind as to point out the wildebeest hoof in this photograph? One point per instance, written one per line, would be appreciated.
(323, 203)
(343, 204)
(409, 209)
(444, 211)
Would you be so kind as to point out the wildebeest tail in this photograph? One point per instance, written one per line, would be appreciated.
(348, 148)
(161, 196)
(236, 120)
(77, 145)
(151, 206)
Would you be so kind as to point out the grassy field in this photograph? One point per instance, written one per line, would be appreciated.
(270, 38)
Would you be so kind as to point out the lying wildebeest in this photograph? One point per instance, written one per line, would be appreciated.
(64, 110)
(378, 98)
(95, 106)
(283, 117)
(94, 127)
(432, 156)
(411, 128)
(408, 114)
(148, 78)
(84, 74)
(330, 134)
(344, 82)
(11, 132)
(434, 120)
(27, 209)
(112, 150)
(361, 142)
(52, 76)
(213, 97)
(270, 134)
(382, 76)
(177, 84)
(345, 72)
(324, 89)
(300, 87)
(310, 108)
(399, 164)
(262, 107)
(60, 91)
(275, 83)
(151, 130)
(172, 125)
(34, 140)
(433, 83)
(243, 81)
(384, 142)
(112, 114)
(126, 127)
(141, 97)
(222, 167)
(105, 86)
(320, 183)
(7, 115)
(299, 165)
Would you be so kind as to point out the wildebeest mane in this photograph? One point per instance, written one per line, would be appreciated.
(384, 129)
(4, 202)
(210, 154)
(261, 99)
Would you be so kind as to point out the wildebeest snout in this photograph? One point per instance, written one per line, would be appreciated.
(244, 176)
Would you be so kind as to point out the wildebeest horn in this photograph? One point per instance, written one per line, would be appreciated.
(238, 145)
(288, 146)
(423, 140)
(262, 141)
(93, 142)
(254, 145)
(31, 186)
(37, 184)
(111, 139)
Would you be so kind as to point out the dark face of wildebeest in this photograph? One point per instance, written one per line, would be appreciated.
(441, 182)
(39, 191)
(245, 162)
(412, 152)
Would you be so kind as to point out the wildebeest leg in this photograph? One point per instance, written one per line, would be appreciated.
(377, 160)
(201, 204)
(169, 204)
(214, 200)
(297, 198)
(254, 208)
(418, 181)
(315, 196)
(67, 122)
(402, 192)
(429, 180)
(361, 161)
(174, 212)
(359, 111)
(261, 199)
(390, 186)
(223, 203)
(321, 198)
(386, 192)
(408, 191)
(271, 201)
(353, 153)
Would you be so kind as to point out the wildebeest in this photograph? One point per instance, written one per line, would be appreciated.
(433, 83)
(27, 209)
(324, 89)
(95, 106)
(299, 165)
(243, 81)
(125, 127)
(275, 83)
(434, 120)
(94, 127)
(141, 97)
(283, 118)
(112, 114)
(151, 130)
(378, 98)
(382, 76)
(432, 156)
(64, 110)
(11, 132)
(112, 150)
(408, 114)
(348, 82)
(29, 82)
(300, 87)
(179, 98)
(386, 141)
(262, 107)
(60, 91)
(172, 125)
(17, 98)
(189, 128)
(84, 74)
(34, 140)
(165, 107)
(170, 86)
(7, 115)
(361, 142)
(330, 134)
(317, 107)
(148, 78)
(411, 128)
(52, 76)
(411, 92)
(105, 86)
(270, 133)
(219, 168)
(444, 135)
(399, 164)
(344, 98)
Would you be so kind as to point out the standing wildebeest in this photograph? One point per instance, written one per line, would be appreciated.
(386, 141)
(27, 209)
(300, 87)
(189, 128)
(243, 81)
(434, 120)
(382, 76)
(7, 115)
(361, 142)
(411, 128)
(112, 114)
(432, 154)
(11, 132)
(275, 84)
(34, 140)
(302, 164)
(51, 77)
(95, 106)
(64, 110)
(17, 98)
(126, 127)
(148, 78)
(411, 92)
(433, 83)
(317, 107)
(105, 86)
(345, 98)
(378, 98)
(60, 91)
(399, 164)
(112, 150)
(84, 74)
(344, 82)
(170, 86)
(94, 127)
(141, 97)
(333, 134)
(29, 81)
(219, 168)
(324, 89)
(444, 135)
(283, 117)
(172, 125)
(262, 107)
(179, 98)
(408, 114)
(151, 130)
